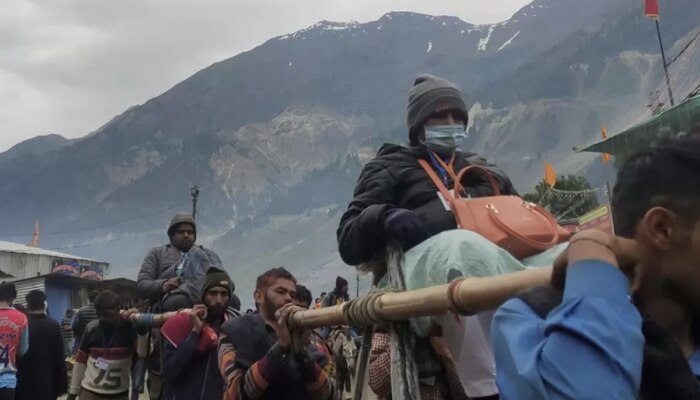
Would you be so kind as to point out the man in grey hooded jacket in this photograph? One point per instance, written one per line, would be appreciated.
(158, 275)
(172, 274)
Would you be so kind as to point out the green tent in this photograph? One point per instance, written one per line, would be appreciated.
(676, 122)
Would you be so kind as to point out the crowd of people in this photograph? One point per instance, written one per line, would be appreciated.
(617, 320)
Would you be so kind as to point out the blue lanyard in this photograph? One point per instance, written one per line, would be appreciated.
(441, 170)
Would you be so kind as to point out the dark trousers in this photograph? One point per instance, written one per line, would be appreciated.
(7, 394)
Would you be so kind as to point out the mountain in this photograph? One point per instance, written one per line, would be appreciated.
(35, 146)
(561, 98)
(275, 137)
(30, 155)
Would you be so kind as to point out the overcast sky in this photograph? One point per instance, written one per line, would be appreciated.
(68, 66)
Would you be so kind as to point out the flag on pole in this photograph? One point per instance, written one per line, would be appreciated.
(604, 135)
(35, 237)
(550, 177)
(651, 8)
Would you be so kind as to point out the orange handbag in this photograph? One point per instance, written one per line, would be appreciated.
(520, 227)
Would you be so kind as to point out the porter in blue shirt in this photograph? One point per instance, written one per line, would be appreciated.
(589, 347)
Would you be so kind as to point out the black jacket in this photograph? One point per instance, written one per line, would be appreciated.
(190, 374)
(394, 179)
(41, 373)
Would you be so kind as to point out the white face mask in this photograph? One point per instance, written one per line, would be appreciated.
(444, 139)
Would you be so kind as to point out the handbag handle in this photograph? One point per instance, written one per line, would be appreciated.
(483, 172)
(532, 242)
(433, 176)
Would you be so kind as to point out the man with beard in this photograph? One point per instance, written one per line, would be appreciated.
(104, 359)
(158, 275)
(258, 355)
(173, 274)
(582, 337)
(190, 359)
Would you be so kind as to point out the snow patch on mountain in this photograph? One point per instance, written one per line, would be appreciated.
(322, 26)
(507, 42)
(430, 46)
(481, 46)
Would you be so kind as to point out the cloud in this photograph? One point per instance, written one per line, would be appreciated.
(68, 67)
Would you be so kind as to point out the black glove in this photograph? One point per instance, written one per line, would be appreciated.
(405, 227)
(307, 366)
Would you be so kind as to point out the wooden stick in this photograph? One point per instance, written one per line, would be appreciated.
(472, 294)
(151, 320)
(404, 373)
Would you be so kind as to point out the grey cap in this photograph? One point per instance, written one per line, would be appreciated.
(431, 94)
(181, 218)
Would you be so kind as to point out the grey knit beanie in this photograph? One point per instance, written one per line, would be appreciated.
(181, 218)
(429, 95)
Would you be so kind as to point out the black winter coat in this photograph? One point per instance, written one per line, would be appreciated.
(190, 374)
(394, 179)
(41, 372)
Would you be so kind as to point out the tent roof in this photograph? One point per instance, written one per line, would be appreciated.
(673, 123)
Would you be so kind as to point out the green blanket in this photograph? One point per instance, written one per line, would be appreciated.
(456, 253)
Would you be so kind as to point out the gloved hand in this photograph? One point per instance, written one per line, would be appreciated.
(405, 227)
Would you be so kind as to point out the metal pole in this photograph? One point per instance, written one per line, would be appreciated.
(608, 192)
(357, 284)
(194, 191)
(663, 57)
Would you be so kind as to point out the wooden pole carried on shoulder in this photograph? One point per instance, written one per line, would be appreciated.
(464, 296)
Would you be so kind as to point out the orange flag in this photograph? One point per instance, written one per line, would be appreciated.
(35, 238)
(604, 134)
(651, 8)
(550, 177)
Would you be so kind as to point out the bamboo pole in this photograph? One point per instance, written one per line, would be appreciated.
(150, 320)
(472, 295)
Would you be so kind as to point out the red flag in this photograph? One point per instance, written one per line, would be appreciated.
(651, 8)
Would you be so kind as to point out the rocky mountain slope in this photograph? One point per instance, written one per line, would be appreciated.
(275, 137)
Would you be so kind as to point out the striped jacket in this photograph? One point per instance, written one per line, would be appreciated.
(254, 366)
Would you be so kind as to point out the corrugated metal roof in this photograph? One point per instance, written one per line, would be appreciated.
(27, 286)
(20, 248)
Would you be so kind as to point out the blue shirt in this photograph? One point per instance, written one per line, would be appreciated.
(694, 362)
(589, 347)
